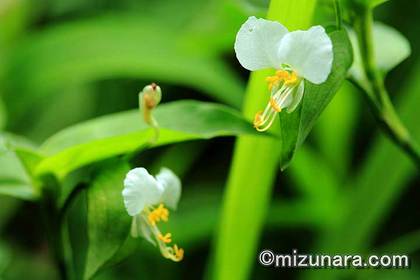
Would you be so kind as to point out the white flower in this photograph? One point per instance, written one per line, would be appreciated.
(145, 198)
(297, 55)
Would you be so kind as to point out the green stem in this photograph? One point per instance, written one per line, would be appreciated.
(376, 92)
(53, 224)
(338, 16)
(254, 167)
(147, 116)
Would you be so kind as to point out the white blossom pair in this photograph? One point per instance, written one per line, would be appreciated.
(146, 198)
(297, 55)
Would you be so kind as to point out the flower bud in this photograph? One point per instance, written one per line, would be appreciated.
(150, 96)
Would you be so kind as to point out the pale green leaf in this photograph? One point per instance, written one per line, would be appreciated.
(390, 47)
(14, 177)
(126, 132)
(118, 45)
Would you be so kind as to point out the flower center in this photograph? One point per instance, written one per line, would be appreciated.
(281, 76)
(158, 214)
(281, 86)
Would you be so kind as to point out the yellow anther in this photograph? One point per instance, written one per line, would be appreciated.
(292, 79)
(272, 80)
(179, 253)
(282, 74)
(152, 219)
(158, 214)
(163, 212)
(165, 238)
(258, 120)
(274, 105)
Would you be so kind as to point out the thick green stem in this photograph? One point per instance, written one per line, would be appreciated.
(378, 97)
(253, 170)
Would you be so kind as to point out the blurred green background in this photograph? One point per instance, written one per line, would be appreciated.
(348, 189)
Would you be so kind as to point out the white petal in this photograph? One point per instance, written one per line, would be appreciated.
(310, 53)
(297, 97)
(257, 43)
(144, 230)
(135, 227)
(140, 190)
(171, 187)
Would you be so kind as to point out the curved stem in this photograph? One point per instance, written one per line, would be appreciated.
(376, 92)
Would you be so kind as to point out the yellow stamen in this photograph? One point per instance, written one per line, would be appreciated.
(158, 214)
(287, 77)
(258, 120)
(178, 252)
(272, 80)
(282, 74)
(165, 238)
(292, 79)
(285, 82)
(274, 105)
(263, 121)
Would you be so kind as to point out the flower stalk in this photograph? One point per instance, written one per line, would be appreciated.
(377, 95)
(338, 16)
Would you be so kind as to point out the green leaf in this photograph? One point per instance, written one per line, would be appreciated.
(3, 116)
(77, 241)
(374, 3)
(387, 55)
(14, 177)
(13, 20)
(296, 126)
(391, 47)
(126, 132)
(355, 4)
(376, 187)
(108, 221)
(118, 45)
(335, 129)
(304, 175)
